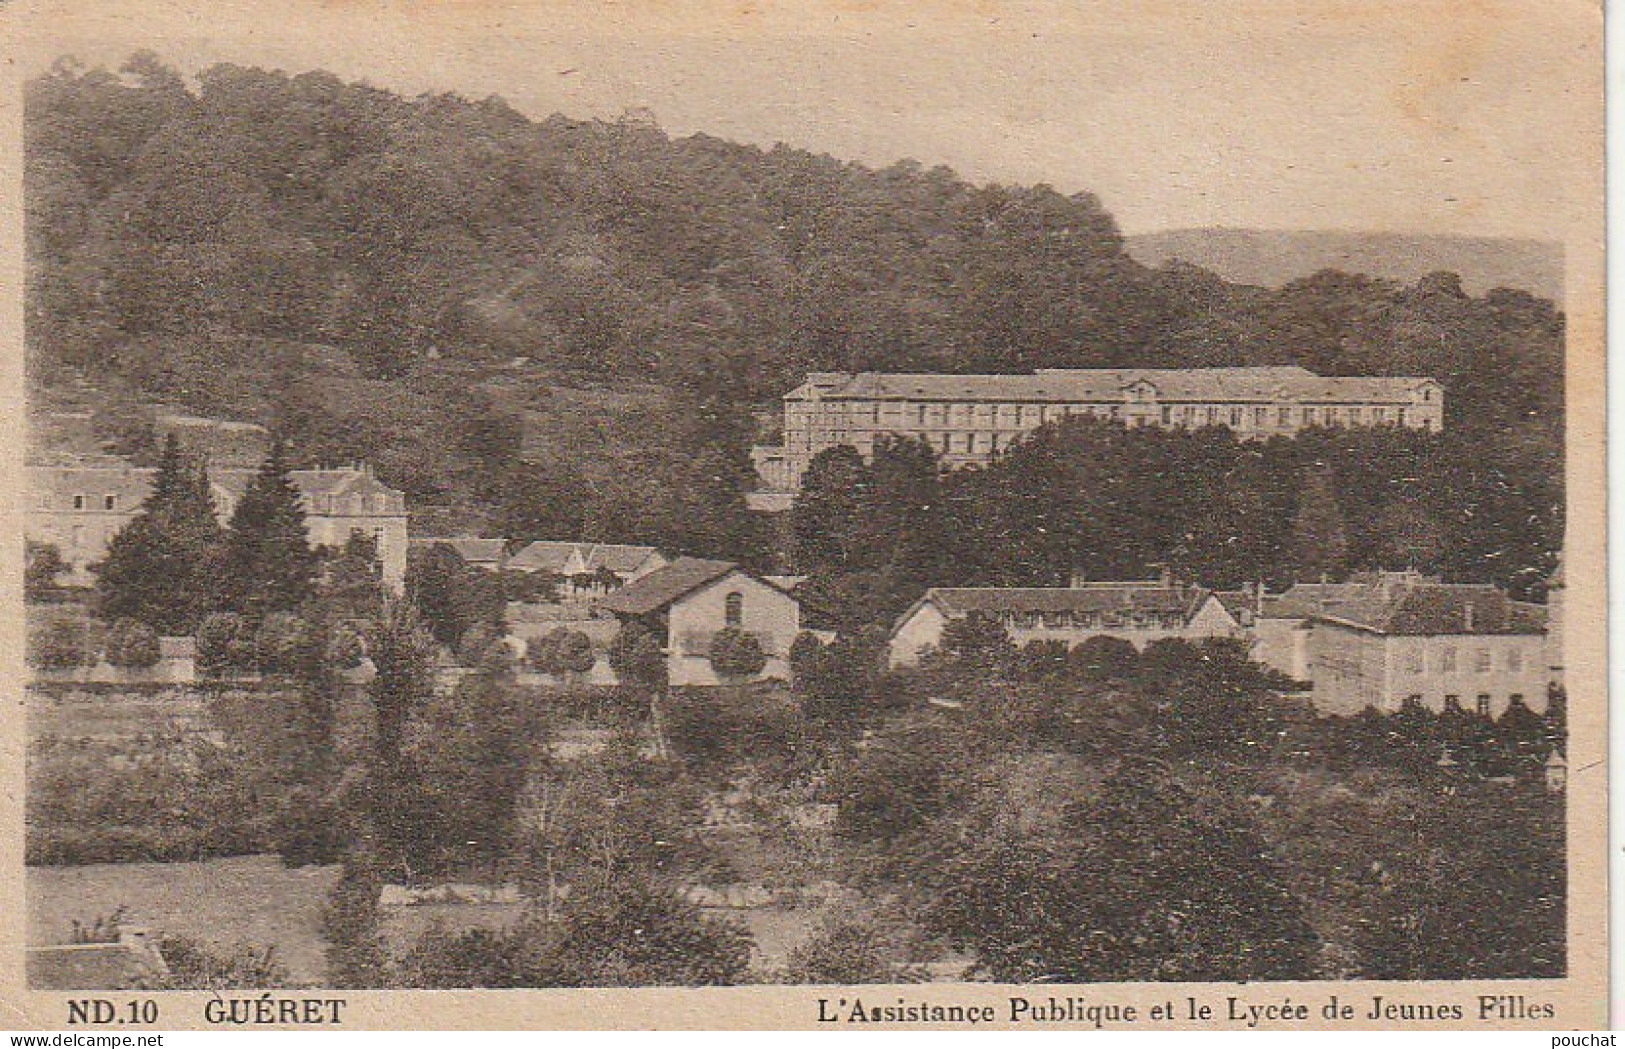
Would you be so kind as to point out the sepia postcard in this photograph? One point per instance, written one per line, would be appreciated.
(823, 515)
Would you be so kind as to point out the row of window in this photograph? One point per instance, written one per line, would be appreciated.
(82, 502)
(859, 413)
(973, 443)
(1447, 661)
(326, 504)
(1092, 620)
(1481, 704)
(1258, 416)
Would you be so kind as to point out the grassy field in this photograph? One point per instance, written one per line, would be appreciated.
(116, 716)
(240, 900)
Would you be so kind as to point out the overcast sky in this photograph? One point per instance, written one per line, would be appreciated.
(1471, 116)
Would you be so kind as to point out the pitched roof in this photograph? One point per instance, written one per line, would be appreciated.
(665, 585)
(551, 556)
(619, 558)
(1435, 608)
(1097, 384)
(471, 549)
(1149, 596)
(1238, 602)
(543, 556)
(132, 483)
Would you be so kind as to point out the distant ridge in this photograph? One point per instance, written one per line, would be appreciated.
(1270, 258)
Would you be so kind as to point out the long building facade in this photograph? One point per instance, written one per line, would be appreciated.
(969, 419)
(78, 509)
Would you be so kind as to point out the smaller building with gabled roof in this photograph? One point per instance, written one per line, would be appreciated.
(477, 552)
(1136, 611)
(571, 559)
(689, 601)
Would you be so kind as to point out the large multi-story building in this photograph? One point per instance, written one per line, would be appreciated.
(79, 508)
(969, 419)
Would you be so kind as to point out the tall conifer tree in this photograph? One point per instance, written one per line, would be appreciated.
(267, 564)
(154, 566)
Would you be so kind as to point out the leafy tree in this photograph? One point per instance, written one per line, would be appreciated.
(1103, 658)
(402, 658)
(639, 935)
(482, 643)
(225, 642)
(825, 517)
(1473, 890)
(564, 653)
(281, 642)
(637, 658)
(978, 642)
(806, 658)
(841, 951)
(355, 949)
(1130, 881)
(472, 754)
(1319, 542)
(1044, 658)
(132, 645)
(267, 564)
(836, 681)
(59, 644)
(452, 596)
(42, 567)
(904, 779)
(351, 580)
(645, 935)
(736, 655)
(536, 501)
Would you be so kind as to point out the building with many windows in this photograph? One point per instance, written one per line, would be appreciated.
(970, 418)
(1139, 612)
(1400, 639)
(79, 508)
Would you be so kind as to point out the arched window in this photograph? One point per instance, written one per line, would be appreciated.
(733, 609)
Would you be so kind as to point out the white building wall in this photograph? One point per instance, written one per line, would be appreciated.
(770, 614)
(1353, 669)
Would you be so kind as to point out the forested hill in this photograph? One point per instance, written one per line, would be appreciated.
(362, 269)
(1273, 257)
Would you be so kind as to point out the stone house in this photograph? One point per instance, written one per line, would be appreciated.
(1440, 645)
(687, 602)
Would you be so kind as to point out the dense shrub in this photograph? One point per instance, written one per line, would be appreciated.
(281, 643)
(562, 652)
(636, 657)
(132, 645)
(736, 655)
(225, 645)
(59, 644)
(635, 934)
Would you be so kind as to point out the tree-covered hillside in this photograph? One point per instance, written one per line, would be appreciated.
(362, 270)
